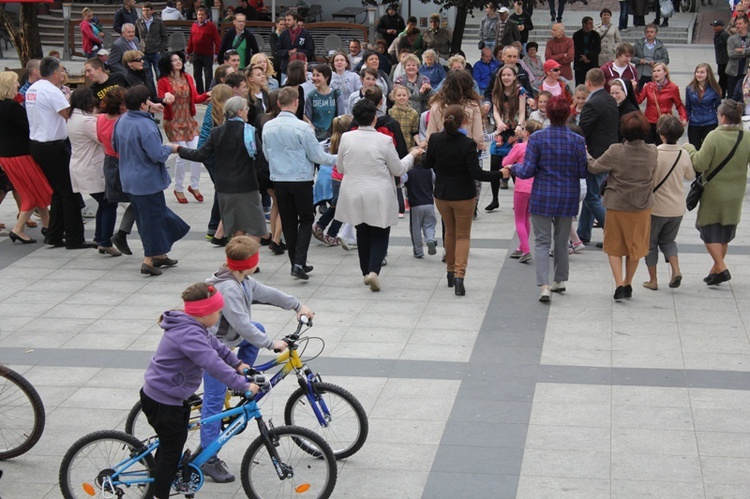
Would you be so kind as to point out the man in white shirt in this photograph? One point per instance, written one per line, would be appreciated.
(48, 111)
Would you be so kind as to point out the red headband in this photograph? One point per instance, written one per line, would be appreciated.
(206, 306)
(240, 265)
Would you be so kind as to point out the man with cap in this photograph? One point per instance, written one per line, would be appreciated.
(506, 31)
(391, 24)
(103, 55)
(437, 38)
(720, 48)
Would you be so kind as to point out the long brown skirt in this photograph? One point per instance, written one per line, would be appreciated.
(626, 233)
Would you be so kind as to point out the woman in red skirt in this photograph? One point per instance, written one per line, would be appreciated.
(25, 175)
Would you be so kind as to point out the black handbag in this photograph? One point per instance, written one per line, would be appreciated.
(696, 188)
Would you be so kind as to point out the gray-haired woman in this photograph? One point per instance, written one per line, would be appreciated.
(234, 145)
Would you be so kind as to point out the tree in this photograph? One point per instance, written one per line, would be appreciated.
(26, 35)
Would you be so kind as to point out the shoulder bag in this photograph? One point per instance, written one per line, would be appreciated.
(679, 155)
(696, 188)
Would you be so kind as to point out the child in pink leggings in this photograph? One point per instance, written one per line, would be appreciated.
(522, 193)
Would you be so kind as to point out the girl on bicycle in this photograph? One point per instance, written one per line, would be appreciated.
(235, 328)
(186, 349)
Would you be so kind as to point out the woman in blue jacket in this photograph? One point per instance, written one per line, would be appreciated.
(702, 99)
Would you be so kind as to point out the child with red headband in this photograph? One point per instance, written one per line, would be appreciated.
(236, 328)
(186, 349)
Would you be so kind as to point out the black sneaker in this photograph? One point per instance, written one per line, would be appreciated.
(299, 273)
(217, 470)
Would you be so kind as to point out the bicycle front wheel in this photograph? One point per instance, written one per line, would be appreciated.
(346, 424)
(88, 468)
(21, 414)
(309, 476)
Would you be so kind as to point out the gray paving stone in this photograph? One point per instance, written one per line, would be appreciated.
(532, 487)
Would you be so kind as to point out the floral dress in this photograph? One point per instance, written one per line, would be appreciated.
(182, 126)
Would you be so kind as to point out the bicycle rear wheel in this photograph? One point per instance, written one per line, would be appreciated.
(310, 476)
(21, 414)
(87, 468)
(346, 420)
(136, 423)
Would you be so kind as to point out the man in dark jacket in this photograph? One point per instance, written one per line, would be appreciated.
(154, 39)
(587, 45)
(294, 39)
(507, 30)
(391, 24)
(125, 14)
(599, 121)
(240, 39)
(722, 58)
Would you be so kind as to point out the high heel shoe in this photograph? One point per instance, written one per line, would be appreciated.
(15, 237)
(180, 197)
(196, 194)
(451, 276)
(459, 286)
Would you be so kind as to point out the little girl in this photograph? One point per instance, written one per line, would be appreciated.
(407, 117)
(341, 124)
(176, 370)
(521, 192)
(579, 99)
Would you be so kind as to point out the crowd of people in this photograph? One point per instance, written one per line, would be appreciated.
(285, 133)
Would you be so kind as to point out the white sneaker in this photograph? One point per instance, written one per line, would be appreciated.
(87, 213)
(576, 248)
(557, 287)
(545, 296)
(343, 243)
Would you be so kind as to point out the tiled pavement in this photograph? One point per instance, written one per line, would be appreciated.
(490, 395)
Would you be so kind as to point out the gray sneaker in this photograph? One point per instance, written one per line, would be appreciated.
(525, 258)
(217, 470)
(516, 254)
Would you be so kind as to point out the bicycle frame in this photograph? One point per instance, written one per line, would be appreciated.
(241, 415)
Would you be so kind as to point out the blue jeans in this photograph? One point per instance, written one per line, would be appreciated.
(623, 16)
(149, 61)
(214, 392)
(592, 207)
(106, 216)
(560, 9)
(327, 217)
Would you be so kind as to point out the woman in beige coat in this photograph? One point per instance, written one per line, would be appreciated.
(367, 199)
(610, 37)
(627, 198)
(668, 200)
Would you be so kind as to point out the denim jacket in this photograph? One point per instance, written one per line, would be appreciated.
(142, 155)
(291, 148)
(702, 112)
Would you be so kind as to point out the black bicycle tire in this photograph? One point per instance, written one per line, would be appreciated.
(302, 433)
(137, 411)
(125, 438)
(38, 408)
(321, 386)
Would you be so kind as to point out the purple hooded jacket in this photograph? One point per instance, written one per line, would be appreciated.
(186, 349)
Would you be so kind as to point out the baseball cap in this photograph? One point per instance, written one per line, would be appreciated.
(718, 22)
(503, 10)
(549, 64)
(103, 52)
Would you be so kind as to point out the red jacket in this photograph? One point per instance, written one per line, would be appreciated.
(668, 97)
(88, 37)
(561, 50)
(163, 86)
(610, 73)
(204, 39)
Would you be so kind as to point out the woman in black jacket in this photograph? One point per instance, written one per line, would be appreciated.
(453, 156)
(235, 148)
(135, 74)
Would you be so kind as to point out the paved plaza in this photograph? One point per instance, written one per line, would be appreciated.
(491, 395)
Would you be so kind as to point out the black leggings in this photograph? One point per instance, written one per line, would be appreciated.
(496, 164)
(170, 423)
(372, 246)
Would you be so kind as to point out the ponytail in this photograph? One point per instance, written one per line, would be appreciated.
(453, 119)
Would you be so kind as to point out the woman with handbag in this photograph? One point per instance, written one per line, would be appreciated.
(723, 159)
(667, 208)
(661, 95)
(627, 197)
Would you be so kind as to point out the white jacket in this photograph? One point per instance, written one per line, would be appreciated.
(87, 158)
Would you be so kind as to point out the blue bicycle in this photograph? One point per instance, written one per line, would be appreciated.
(287, 461)
(328, 409)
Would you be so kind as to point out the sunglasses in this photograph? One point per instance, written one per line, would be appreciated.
(140, 59)
(555, 70)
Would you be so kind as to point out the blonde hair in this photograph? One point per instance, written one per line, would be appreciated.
(396, 88)
(457, 58)
(341, 125)
(85, 11)
(131, 55)
(241, 247)
(666, 69)
(410, 57)
(269, 66)
(219, 96)
(8, 81)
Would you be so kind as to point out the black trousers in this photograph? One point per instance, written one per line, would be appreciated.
(65, 209)
(372, 246)
(202, 68)
(723, 83)
(170, 423)
(697, 134)
(297, 216)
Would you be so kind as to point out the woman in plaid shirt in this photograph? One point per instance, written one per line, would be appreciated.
(556, 158)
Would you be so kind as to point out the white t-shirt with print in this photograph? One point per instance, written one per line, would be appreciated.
(44, 101)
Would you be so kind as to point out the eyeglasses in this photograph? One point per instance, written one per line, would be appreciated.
(140, 59)
(555, 70)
